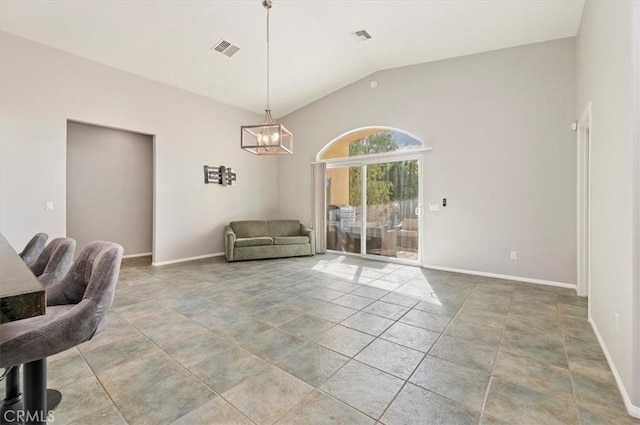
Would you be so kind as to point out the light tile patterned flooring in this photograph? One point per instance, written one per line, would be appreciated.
(335, 340)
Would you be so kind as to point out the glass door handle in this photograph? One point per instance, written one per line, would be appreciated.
(418, 210)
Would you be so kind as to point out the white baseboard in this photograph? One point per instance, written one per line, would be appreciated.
(632, 409)
(184, 260)
(144, 254)
(504, 276)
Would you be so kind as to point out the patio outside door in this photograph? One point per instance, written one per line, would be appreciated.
(376, 215)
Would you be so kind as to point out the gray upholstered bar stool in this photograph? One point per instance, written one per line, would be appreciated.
(54, 261)
(49, 264)
(77, 309)
(34, 248)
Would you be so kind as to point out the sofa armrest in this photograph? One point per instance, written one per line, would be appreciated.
(312, 237)
(229, 242)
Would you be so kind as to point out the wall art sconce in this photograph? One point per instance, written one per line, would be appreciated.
(219, 175)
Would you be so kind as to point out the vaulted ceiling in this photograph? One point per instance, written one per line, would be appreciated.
(312, 50)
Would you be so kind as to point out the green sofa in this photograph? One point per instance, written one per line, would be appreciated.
(255, 239)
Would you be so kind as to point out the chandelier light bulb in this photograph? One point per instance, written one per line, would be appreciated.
(275, 137)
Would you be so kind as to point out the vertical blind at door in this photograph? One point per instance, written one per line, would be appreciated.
(319, 205)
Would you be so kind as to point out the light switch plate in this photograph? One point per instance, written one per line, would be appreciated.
(434, 207)
(48, 206)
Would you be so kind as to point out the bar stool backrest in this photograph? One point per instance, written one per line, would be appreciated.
(34, 248)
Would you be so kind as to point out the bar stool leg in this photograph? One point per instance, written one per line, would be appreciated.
(12, 403)
(35, 392)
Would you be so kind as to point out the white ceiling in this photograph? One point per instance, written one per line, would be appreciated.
(312, 51)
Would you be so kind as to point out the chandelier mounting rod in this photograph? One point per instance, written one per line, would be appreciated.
(267, 5)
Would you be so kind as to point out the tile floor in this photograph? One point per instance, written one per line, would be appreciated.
(335, 340)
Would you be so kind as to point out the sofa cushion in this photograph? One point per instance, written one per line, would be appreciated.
(260, 240)
(284, 228)
(290, 240)
(250, 228)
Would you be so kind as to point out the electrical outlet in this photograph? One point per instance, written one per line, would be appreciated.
(617, 323)
(514, 255)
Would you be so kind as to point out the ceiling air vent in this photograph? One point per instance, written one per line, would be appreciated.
(361, 35)
(226, 48)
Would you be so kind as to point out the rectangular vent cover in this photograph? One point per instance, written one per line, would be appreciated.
(226, 48)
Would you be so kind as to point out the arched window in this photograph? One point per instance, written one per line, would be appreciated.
(369, 141)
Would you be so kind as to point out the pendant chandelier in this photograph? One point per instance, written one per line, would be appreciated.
(269, 137)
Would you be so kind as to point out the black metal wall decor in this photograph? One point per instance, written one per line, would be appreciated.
(219, 175)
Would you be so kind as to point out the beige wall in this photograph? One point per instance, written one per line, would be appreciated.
(43, 87)
(605, 77)
(339, 186)
(110, 187)
(503, 154)
(339, 192)
(336, 150)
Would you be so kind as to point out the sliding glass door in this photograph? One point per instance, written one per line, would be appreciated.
(392, 205)
(344, 209)
(373, 208)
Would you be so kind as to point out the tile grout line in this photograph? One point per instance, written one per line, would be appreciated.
(352, 358)
(95, 375)
(182, 366)
(253, 353)
(566, 354)
(257, 295)
(234, 344)
(495, 360)
(308, 340)
(165, 354)
(404, 384)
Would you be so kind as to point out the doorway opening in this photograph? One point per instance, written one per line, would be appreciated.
(110, 185)
(583, 200)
